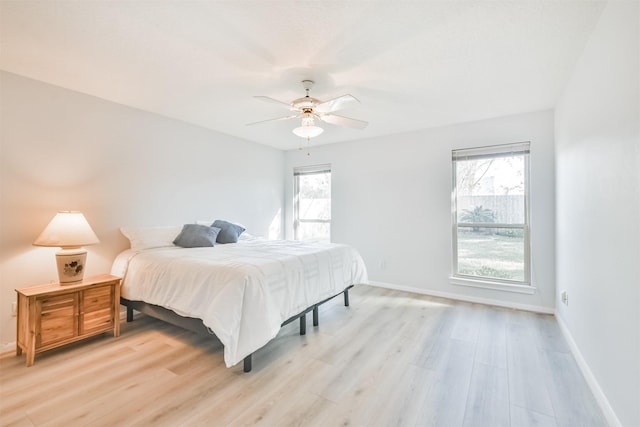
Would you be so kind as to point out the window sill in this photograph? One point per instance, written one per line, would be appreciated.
(496, 286)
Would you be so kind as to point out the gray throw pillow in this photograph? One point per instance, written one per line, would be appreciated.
(196, 236)
(229, 232)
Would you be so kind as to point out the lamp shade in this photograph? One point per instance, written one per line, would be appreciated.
(305, 131)
(67, 230)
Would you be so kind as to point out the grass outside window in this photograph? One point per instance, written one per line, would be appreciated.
(491, 254)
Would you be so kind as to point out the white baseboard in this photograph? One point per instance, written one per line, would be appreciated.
(7, 347)
(601, 398)
(486, 301)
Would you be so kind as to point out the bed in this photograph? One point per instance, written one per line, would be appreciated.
(242, 292)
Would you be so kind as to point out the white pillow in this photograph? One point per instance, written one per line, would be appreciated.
(151, 237)
(246, 236)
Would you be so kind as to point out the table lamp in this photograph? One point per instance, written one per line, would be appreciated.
(69, 231)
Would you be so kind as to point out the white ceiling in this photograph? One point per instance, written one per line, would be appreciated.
(412, 64)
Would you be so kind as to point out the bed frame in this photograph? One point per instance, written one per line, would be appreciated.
(196, 325)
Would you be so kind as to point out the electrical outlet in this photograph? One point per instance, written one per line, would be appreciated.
(564, 296)
(383, 264)
(14, 309)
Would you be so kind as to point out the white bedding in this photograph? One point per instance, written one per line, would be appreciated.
(243, 291)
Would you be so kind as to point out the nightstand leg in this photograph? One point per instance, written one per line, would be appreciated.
(31, 351)
(18, 350)
(31, 332)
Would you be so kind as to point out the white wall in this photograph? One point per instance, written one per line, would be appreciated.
(61, 150)
(391, 199)
(598, 207)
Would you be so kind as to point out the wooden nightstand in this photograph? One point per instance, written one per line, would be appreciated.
(52, 315)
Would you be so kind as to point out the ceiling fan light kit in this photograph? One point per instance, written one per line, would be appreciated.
(308, 109)
(307, 131)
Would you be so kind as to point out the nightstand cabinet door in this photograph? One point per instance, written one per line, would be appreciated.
(58, 319)
(97, 309)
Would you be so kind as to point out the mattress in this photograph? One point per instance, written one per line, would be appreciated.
(243, 291)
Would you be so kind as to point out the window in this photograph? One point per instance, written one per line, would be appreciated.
(312, 203)
(490, 215)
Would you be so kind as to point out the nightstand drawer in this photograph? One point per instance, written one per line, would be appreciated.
(50, 305)
(97, 299)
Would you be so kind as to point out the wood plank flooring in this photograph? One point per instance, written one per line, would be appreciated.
(391, 359)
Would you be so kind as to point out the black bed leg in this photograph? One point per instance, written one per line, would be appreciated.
(247, 363)
(315, 316)
(303, 324)
(129, 314)
(346, 297)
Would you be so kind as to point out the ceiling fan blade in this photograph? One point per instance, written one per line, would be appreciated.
(334, 119)
(275, 101)
(274, 120)
(336, 104)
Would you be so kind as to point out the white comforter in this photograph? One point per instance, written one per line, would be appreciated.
(243, 291)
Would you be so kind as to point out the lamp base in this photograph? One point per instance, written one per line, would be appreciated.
(71, 262)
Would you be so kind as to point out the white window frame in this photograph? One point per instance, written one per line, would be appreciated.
(297, 172)
(493, 151)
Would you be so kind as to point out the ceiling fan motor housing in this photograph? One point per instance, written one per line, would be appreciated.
(306, 102)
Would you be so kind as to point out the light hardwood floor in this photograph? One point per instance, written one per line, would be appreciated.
(392, 358)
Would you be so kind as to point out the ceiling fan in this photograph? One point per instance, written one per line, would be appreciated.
(309, 109)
